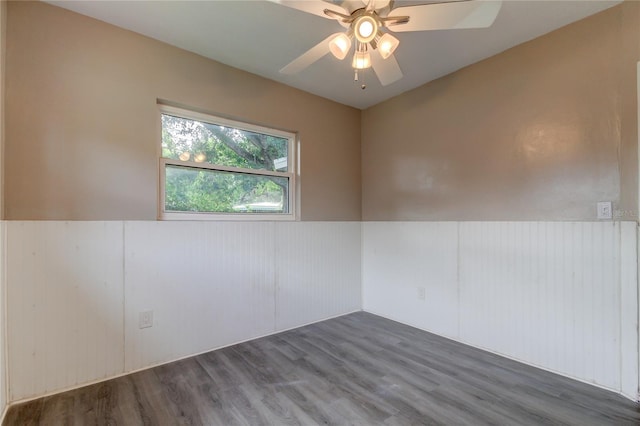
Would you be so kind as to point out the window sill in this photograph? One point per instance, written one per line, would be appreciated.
(248, 217)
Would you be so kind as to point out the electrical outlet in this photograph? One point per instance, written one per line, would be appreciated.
(422, 293)
(146, 319)
(604, 210)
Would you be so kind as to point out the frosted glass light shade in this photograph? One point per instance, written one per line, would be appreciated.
(340, 46)
(387, 45)
(361, 60)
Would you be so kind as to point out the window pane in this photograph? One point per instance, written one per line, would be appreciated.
(199, 190)
(191, 140)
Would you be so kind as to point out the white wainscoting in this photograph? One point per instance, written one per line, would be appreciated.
(209, 284)
(76, 290)
(318, 271)
(3, 326)
(558, 295)
(562, 296)
(401, 257)
(65, 293)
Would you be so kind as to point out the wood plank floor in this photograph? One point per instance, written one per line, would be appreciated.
(359, 369)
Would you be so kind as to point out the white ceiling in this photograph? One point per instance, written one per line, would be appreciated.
(261, 37)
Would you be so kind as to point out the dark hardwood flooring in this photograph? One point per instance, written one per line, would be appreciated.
(358, 369)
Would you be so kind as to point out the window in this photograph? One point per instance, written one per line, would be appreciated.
(215, 168)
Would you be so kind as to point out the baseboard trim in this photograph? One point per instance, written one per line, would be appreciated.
(105, 379)
(4, 413)
(635, 398)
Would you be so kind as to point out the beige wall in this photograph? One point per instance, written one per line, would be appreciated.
(540, 132)
(3, 48)
(81, 134)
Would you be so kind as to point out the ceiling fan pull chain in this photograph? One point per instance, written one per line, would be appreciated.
(355, 78)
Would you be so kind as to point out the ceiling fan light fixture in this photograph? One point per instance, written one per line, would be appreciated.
(340, 46)
(361, 60)
(365, 28)
(387, 45)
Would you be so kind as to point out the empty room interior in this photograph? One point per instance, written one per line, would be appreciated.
(307, 212)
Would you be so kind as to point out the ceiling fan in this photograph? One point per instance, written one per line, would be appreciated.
(368, 25)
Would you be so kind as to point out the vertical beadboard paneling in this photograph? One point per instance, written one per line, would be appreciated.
(65, 314)
(77, 289)
(399, 258)
(3, 337)
(209, 284)
(544, 293)
(559, 295)
(317, 271)
(629, 343)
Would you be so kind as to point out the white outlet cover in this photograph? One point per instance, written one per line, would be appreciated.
(604, 210)
(146, 319)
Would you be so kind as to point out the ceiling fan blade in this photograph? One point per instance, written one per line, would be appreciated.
(314, 7)
(378, 4)
(309, 57)
(387, 70)
(445, 16)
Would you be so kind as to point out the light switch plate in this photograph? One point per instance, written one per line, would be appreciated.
(604, 210)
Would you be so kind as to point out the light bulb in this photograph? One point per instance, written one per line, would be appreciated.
(184, 156)
(365, 28)
(340, 46)
(387, 45)
(200, 157)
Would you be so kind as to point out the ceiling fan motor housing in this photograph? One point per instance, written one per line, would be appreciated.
(365, 27)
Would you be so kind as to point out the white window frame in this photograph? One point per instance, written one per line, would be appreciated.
(216, 120)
